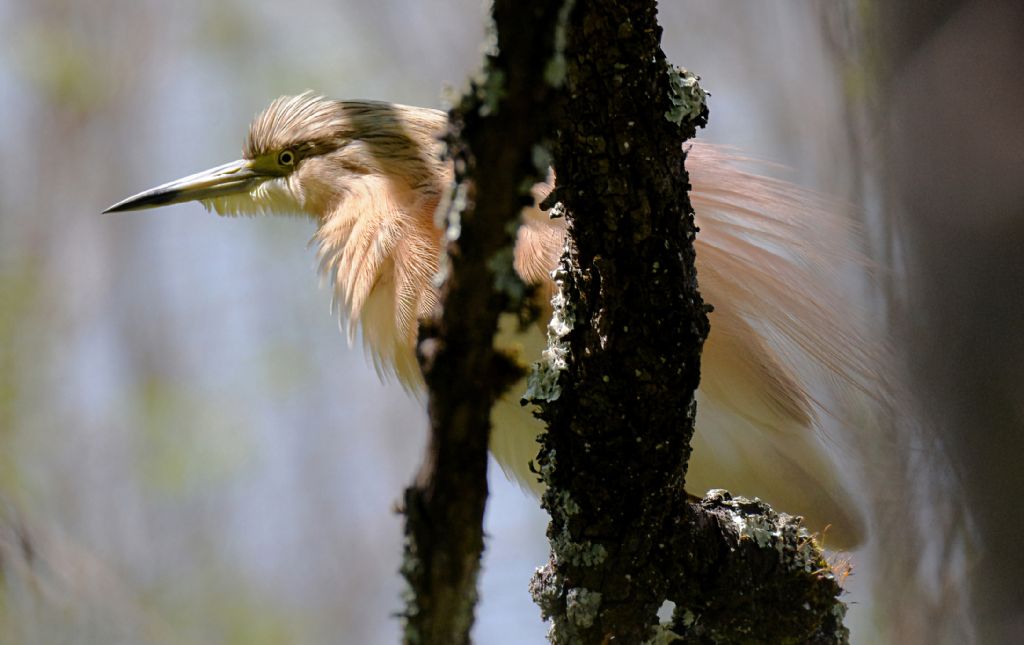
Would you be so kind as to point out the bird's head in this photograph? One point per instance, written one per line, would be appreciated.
(371, 174)
(302, 154)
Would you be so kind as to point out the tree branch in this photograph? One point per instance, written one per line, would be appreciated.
(617, 383)
(618, 380)
(491, 142)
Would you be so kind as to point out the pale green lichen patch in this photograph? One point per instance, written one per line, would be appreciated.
(554, 71)
(547, 468)
(449, 212)
(663, 636)
(580, 554)
(582, 605)
(491, 92)
(448, 217)
(688, 98)
(544, 590)
(689, 618)
(839, 611)
(753, 520)
(563, 547)
(569, 506)
(543, 382)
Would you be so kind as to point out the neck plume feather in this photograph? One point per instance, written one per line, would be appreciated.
(381, 254)
(767, 258)
(796, 403)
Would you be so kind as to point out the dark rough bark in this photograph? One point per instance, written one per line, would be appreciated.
(617, 388)
(617, 385)
(491, 142)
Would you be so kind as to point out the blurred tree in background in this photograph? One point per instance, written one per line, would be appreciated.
(950, 101)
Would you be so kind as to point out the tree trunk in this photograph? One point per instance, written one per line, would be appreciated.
(616, 386)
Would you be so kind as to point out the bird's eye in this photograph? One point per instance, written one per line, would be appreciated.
(286, 158)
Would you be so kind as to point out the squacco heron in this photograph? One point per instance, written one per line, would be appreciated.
(371, 176)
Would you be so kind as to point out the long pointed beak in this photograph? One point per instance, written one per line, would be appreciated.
(228, 179)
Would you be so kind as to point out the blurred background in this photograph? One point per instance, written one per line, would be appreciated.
(189, 450)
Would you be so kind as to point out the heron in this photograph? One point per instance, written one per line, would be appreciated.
(785, 345)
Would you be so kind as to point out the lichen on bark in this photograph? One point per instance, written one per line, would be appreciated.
(616, 387)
